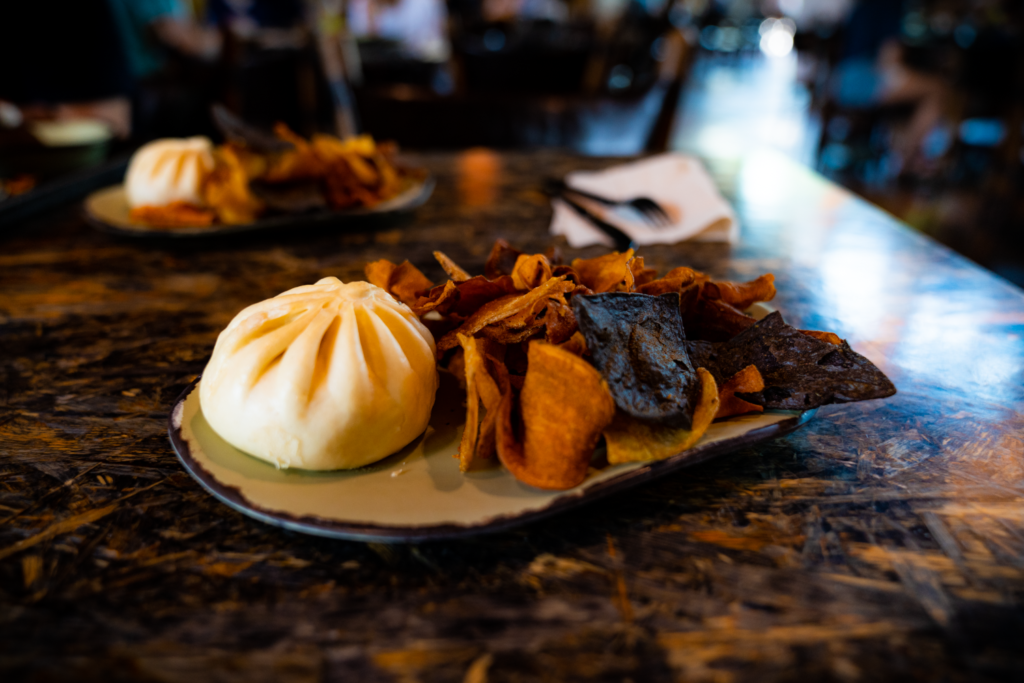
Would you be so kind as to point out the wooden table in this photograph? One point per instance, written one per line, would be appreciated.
(883, 538)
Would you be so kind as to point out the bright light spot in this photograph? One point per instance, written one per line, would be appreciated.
(720, 140)
(777, 36)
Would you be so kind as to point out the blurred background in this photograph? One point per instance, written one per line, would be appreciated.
(917, 105)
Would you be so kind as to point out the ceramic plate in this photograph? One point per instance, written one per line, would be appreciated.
(418, 494)
(107, 210)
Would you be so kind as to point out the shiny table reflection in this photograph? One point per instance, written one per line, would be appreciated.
(884, 539)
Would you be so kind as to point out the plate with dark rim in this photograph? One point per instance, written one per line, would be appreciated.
(419, 494)
(107, 210)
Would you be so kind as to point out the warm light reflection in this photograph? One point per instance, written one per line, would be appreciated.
(479, 172)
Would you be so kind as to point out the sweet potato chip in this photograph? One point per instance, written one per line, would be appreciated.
(675, 280)
(504, 307)
(559, 322)
(715, 320)
(407, 282)
(531, 271)
(502, 260)
(742, 295)
(746, 381)
(379, 273)
(473, 366)
(829, 337)
(563, 408)
(504, 335)
(343, 189)
(173, 215)
(486, 382)
(568, 272)
(441, 298)
(299, 163)
(477, 291)
(641, 274)
(688, 274)
(576, 344)
(608, 273)
(456, 365)
(453, 270)
(227, 191)
(632, 440)
(531, 315)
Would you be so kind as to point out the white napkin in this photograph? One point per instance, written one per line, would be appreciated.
(676, 181)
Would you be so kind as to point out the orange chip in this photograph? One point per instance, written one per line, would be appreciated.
(226, 189)
(673, 281)
(641, 274)
(608, 273)
(453, 270)
(662, 286)
(829, 337)
(456, 365)
(568, 271)
(630, 440)
(501, 261)
(173, 215)
(559, 322)
(487, 441)
(688, 274)
(404, 281)
(576, 344)
(441, 298)
(299, 163)
(531, 271)
(504, 335)
(379, 273)
(531, 315)
(688, 297)
(563, 407)
(477, 291)
(474, 364)
(478, 440)
(746, 381)
(714, 320)
(504, 307)
(742, 295)
(407, 282)
(491, 386)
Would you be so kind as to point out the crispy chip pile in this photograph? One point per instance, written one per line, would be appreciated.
(343, 174)
(642, 367)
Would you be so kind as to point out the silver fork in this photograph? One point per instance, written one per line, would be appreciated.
(649, 210)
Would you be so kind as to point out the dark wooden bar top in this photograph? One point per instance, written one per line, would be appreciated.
(882, 541)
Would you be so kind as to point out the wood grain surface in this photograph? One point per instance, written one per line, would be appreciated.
(883, 541)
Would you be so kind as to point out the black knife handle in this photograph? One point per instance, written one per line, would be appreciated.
(621, 239)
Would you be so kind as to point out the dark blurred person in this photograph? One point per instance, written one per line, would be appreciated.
(63, 60)
(169, 55)
(873, 73)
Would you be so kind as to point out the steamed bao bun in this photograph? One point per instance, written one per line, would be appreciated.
(169, 170)
(321, 377)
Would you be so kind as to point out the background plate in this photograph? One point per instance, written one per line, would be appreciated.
(418, 494)
(107, 210)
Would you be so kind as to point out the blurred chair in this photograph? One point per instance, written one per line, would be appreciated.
(541, 84)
